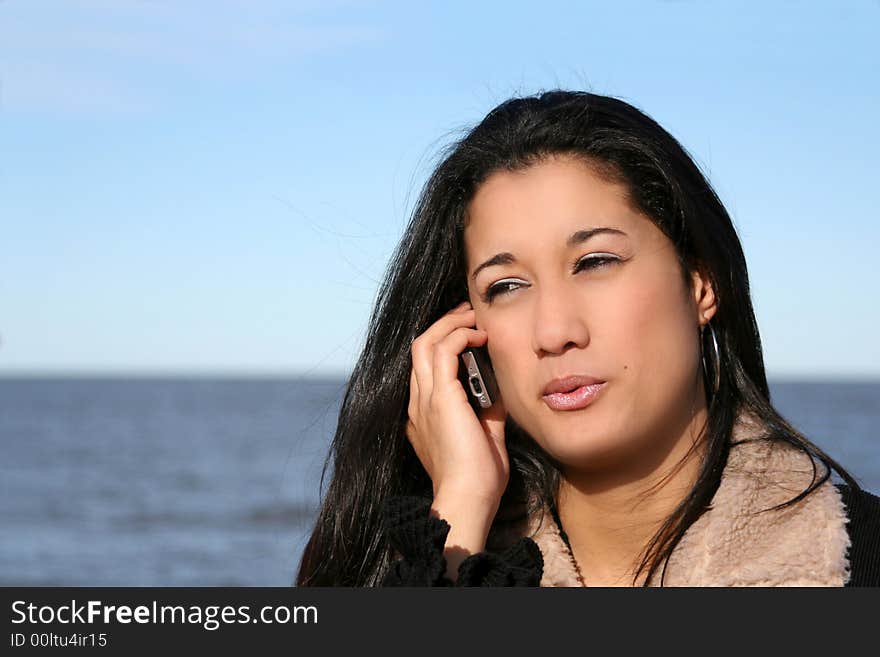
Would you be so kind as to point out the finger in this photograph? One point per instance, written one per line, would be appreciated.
(421, 368)
(448, 323)
(413, 405)
(422, 348)
(411, 432)
(447, 351)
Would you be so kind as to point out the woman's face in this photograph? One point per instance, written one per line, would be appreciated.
(630, 320)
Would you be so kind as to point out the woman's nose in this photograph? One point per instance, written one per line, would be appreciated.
(558, 322)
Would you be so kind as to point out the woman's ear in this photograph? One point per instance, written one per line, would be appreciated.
(703, 294)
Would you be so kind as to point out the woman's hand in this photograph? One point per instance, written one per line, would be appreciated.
(464, 454)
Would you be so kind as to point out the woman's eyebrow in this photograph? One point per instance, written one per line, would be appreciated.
(578, 237)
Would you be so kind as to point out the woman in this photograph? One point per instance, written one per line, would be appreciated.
(633, 441)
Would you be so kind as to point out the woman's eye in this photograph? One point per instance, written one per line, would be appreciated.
(593, 262)
(587, 262)
(499, 288)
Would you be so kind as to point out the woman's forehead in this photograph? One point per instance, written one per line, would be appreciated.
(559, 229)
(552, 196)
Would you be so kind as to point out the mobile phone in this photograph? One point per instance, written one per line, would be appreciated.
(476, 375)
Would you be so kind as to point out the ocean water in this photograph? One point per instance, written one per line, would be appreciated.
(148, 482)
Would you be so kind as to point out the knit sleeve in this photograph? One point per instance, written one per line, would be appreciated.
(863, 527)
(420, 537)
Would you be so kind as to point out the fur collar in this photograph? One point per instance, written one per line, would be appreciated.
(802, 545)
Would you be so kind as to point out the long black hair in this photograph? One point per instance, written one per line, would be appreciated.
(370, 454)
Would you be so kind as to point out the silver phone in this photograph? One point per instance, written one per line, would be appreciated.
(476, 375)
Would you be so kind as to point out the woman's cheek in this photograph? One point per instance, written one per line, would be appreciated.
(506, 364)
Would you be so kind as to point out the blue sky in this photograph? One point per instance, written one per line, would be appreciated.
(216, 187)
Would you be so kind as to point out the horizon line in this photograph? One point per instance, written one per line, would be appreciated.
(133, 373)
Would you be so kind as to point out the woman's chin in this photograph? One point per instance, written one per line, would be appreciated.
(588, 456)
(581, 447)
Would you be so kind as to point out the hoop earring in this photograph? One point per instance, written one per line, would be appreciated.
(717, 367)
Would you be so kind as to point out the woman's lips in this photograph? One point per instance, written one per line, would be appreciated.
(574, 400)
